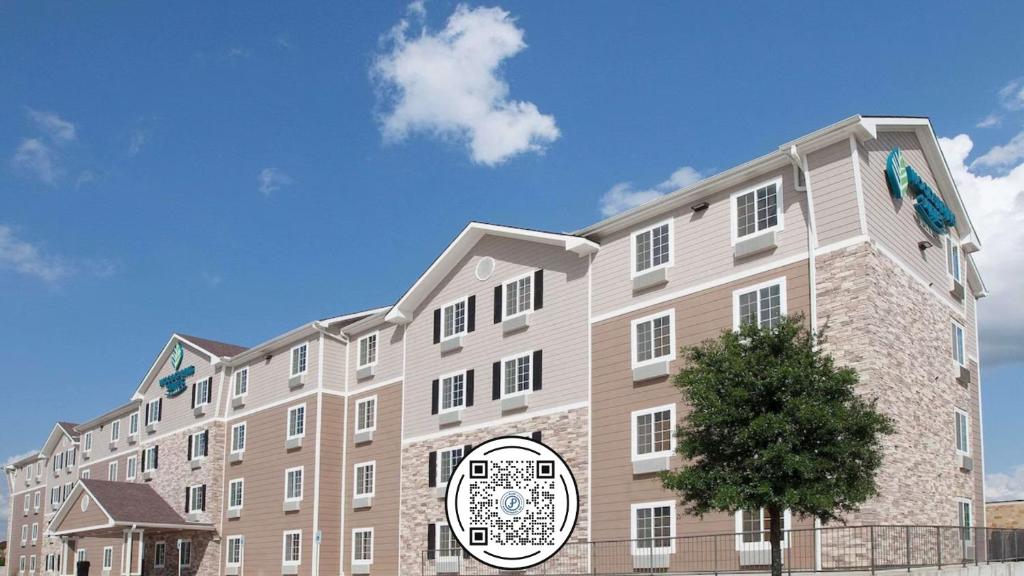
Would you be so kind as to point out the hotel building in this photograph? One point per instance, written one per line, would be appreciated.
(326, 450)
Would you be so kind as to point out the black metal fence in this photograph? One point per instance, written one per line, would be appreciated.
(842, 548)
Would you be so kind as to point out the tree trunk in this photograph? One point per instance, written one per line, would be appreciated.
(775, 535)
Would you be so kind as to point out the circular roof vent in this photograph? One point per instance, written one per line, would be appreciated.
(484, 268)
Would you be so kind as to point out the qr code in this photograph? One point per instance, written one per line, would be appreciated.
(535, 521)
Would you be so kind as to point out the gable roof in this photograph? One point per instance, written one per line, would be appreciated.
(59, 429)
(221, 349)
(214, 350)
(402, 311)
(124, 503)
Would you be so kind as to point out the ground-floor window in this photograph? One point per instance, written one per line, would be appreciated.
(159, 554)
(184, 553)
(108, 558)
(654, 526)
(292, 547)
(362, 545)
(235, 544)
(965, 519)
(447, 545)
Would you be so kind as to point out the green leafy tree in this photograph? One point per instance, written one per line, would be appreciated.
(775, 424)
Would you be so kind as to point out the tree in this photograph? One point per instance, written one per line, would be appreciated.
(774, 425)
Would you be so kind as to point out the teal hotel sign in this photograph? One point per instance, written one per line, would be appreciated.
(903, 179)
(174, 383)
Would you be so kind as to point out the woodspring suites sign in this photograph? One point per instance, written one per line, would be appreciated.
(174, 383)
(902, 178)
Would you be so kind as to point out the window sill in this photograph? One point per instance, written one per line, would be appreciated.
(199, 410)
(291, 505)
(235, 457)
(650, 278)
(238, 401)
(753, 245)
(366, 372)
(651, 371)
(516, 402)
(515, 324)
(295, 382)
(293, 443)
(453, 344)
(449, 418)
(651, 558)
(650, 465)
(364, 437)
(361, 502)
(361, 567)
(234, 513)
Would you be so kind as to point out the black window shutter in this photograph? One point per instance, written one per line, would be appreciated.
(146, 418)
(206, 443)
(469, 388)
(432, 470)
(189, 447)
(430, 541)
(496, 381)
(538, 369)
(160, 410)
(535, 436)
(538, 289)
(466, 450)
(471, 314)
(437, 325)
(194, 386)
(156, 457)
(434, 396)
(188, 492)
(497, 304)
(202, 491)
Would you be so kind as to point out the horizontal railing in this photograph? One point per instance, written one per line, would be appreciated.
(827, 549)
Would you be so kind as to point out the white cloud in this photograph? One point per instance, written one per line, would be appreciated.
(623, 196)
(26, 258)
(1004, 155)
(996, 206)
(56, 128)
(448, 83)
(989, 121)
(271, 180)
(1005, 486)
(35, 158)
(1012, 95)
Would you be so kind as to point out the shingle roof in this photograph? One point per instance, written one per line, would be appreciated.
(69, 427)
(132, 502)
(215, 347)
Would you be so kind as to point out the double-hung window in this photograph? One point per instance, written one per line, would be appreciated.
(299, 359)
(151, 458)
(519, 296)
(362, 545)
(958, 345)
(517, 374)
(757, 210)
(235, 545)
(453, 391)
(965, 519)
(87, 442)
(963, 445)
(292, 548)
(368, 350)
(81, 555)
(654, 338)
(293, 484)
(203, 392)
(24, 534)
(447, 460)
(764, 304)
(196, 498)
(184, 553)
(131, 467)
(159, 554)
(241, 385)
(236, 493)
(115, 430)
(653, 432)
(366, 414)
(653, 527)
(238, 438)
(199, 445)
(26, 501)
(154, 411)
(32, 563)
(35, 533)
(453, 319)
(133, 423)
(752, 528)
(364, 478)
(112, 471)
(297, 421)
(108, 557)
(447, 545)
(36, 499)
(652, 248)
(952, 257)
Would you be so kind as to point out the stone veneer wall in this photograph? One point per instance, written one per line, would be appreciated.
(1005, 514)
(565, 432)
(896, 334)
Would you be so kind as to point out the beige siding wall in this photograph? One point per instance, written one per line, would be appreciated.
(386, 451)
(77, 519)
(389, 356)
(836, 215)
(702, 246)
(62, 475)
(331, 466)
(100, 469)
(334, 364)
(177, 411)
(102, 447)
(268, 379)
(699, 316)
(559, 329)
(18, 518)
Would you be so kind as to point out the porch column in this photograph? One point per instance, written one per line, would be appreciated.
(64, 555)
(126, 551)
(141, 558)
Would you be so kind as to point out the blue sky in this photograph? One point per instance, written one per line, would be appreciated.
(234, 169)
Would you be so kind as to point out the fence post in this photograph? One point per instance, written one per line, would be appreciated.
(871, 544)
(907, 529)
(593, 567)
(976, 545)
(714, 545)
(938, 544)
(789, 551)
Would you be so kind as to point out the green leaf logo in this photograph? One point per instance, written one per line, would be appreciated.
(177, 355)
(896, 173)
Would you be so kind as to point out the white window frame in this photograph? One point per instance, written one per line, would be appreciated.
(780, 281)
(147, 457)
(21, 563)
(442, 479)
(288, 422)
(284, 548)
(504, 296)
(193, 490)
(764, 544)
(440, 392)
(133, 423)
(24, 534)
(241, 550)
(529, 386)
(962, 360)
(291, 359)
(447, 553)
(953, 249)
(32, 564)
(287, 483)
(131, 468)
(87, 442)
(362, 561)
(36, 501)
(957, 415)
(634, 448)
(182, 556)
(26, 504)
(465, 321)
(150, 406)
(671, 313)
(634, 537)
(633, 273)
(196, 453)
(115, 430)
(968, 528)
(240, 482)
(245, 437)
(376, 349)
(734, 212)
(35, 532)
(207, 385)
(362, 402)
(235, 381)
(159, 554)
(112, 471)
(81, 554)
(373, 479)
(108, 557)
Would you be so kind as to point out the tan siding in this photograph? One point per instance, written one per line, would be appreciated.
(836, 216)
(331, 456)
(702, 246)
(268, 379)
(76, 518)
(389, 356)
(334, 365)
(698, 317)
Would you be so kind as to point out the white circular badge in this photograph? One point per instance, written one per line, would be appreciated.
(512, 502)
